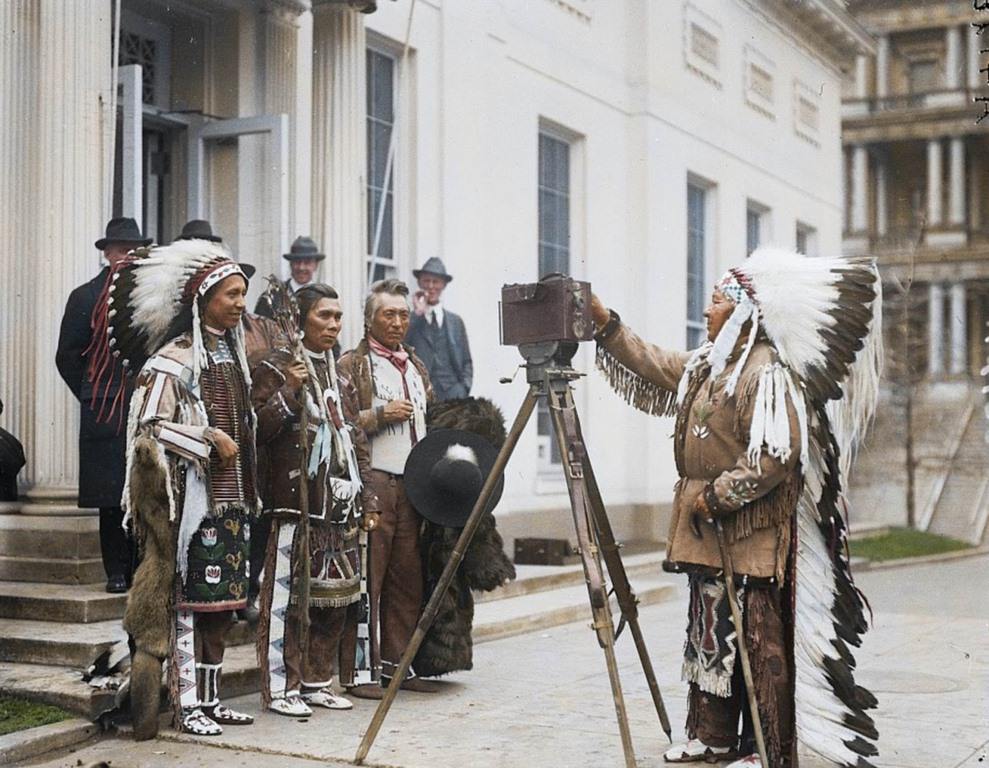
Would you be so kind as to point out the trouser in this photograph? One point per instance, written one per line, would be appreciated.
(313, 667)
(395, 570)
(116, 546)
(210, 633)
(714, 720)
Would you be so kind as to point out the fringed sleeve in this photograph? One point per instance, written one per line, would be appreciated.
(644, 375)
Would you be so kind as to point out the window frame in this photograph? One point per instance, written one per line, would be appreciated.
(389, 266)
(761, 213)
(698, 325)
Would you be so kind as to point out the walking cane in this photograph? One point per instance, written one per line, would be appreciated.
(743, 651)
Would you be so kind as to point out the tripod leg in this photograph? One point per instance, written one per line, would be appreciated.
(627, 601)
(432, 607)
(560, 401)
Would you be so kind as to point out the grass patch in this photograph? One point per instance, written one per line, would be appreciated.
(19, 714)
(904, 542)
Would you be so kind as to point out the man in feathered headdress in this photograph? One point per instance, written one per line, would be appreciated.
(191, 488)
(767, 412)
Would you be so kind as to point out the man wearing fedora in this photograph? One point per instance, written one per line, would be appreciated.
(103, 405)
(439, 336)
(303, 258)
(199, 229)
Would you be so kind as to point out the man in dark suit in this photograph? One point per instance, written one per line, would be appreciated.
(439, 336)
(104, 399)
(303, 258)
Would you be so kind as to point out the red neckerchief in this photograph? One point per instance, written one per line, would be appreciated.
(397, 357)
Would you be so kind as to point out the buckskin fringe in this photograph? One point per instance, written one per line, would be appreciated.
(633, 389)
(708, 680)
(775, 508)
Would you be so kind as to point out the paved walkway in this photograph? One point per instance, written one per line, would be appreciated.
(543, 699)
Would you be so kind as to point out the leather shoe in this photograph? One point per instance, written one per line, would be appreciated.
(418, 685)
(367, 691)
(116, 585)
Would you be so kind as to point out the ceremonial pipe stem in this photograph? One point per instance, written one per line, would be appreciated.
(432, 607)
(743, 651)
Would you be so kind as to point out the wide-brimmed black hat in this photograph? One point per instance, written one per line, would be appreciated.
(304, 248)
(199, 229)
(433, 266)
(444, 475)
(122, 229)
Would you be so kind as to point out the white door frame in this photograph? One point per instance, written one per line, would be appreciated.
(276, 127)
(132, 150)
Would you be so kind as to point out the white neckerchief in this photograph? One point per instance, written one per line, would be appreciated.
(297, 286)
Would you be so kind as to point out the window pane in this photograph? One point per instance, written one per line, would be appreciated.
(752, 231)
(380, 124)
(696, 266)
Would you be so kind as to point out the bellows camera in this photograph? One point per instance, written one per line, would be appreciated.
(557, 308)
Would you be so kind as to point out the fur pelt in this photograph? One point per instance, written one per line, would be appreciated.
(448, 646)
(148, 617)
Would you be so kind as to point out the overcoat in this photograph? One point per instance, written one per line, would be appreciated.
(101, 445)
(456, 334)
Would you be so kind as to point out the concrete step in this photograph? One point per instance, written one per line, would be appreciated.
(71, 603)
(542, 610)
(71, 537)
(61, 686)
(55, 643)
(531, 579)
(52, 570)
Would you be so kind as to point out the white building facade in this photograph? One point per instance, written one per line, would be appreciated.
(642, 145)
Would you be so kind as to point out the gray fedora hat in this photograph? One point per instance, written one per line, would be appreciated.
(433, 266)
(304, 248)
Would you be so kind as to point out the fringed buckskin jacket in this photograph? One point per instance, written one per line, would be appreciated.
(355, 366)
(753, 490)
(278, 409)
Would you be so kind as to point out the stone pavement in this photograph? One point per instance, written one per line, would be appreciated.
(543, 699)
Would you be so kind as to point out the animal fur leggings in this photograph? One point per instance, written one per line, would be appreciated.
(714, 720)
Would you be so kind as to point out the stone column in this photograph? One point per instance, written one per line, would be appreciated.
(959, 330)
(974, 57)
(861, 77)
(934, 204)
(860, 182)
(19, 157)
(882, 211)
(278, 43)
(73, 75)
(953, 58)
(339, 156)
(935, 326)
(882, 67)
(956, 182)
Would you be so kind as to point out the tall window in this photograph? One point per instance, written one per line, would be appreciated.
(753, 225)
(554, 254)
(696, 263)
(380, 125)
(757, 226)
(806, 239)
(554, 205)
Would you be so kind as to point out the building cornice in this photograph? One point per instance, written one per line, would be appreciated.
(827, 24)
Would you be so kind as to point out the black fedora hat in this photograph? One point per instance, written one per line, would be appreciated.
(444, 475)
(433, 266)
(122, 229)
(248, 269)
(304, 248)
(199, 229)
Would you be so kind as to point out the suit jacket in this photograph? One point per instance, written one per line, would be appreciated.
(456, 334)
(101, 445)
(264, 307)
